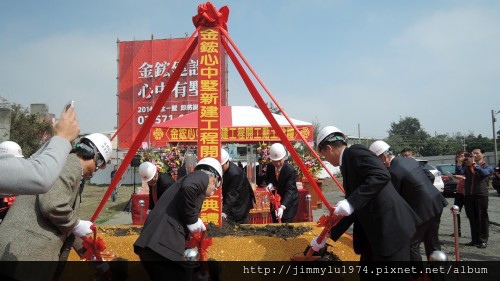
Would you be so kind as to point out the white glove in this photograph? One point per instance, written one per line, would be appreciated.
(270, 187)
(224, 216)
(82, 229)
(315, 246)
(196, 227)
(148, 211)
(279, 212)
(344, 208)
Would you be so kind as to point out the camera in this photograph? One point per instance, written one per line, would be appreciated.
(468, 158)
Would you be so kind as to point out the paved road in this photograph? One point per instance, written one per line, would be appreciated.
(491, 253)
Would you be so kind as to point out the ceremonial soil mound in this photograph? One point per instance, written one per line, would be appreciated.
(272, 242)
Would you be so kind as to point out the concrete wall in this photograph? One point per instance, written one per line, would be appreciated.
(447, 159)
(104, 176)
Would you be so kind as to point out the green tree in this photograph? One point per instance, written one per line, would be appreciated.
(317, 126)
(28, 130)
(274, 109)
(441, 145)
(407, 133)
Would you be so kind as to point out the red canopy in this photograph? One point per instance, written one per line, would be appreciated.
(238, 124)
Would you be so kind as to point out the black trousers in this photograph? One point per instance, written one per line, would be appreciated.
(476, 208)
(161, 268)
(427, 233)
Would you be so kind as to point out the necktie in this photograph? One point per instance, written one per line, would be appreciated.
(277, 174)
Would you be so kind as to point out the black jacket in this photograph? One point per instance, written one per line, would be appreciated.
(412, 184)
(383, 221)
(164, 182)
(286, 186)
(237, 193)
(165, 230)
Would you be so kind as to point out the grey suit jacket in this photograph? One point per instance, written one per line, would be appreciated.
(37, 225)
(36, 174)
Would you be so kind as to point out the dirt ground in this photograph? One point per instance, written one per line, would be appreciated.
(92, 196)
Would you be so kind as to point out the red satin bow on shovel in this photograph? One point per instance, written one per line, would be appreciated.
(93, 246)
(327, 222)
(199, 241)
(202, 243)
(275, 201)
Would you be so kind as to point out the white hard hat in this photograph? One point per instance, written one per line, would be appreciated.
(224, 156)
(325, 133)
(277, 152)
(102, 143)
(379, 147)
(10, 147)
(147, 171)
(210, 162)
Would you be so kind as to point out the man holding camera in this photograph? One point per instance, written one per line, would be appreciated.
(476, 173)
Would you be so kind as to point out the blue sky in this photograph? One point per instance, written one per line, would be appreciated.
(340, 63)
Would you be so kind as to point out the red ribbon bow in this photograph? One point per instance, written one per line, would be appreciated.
(209, 16)
(275, 199)
(9, 200)
(202, 243)
(94, 246)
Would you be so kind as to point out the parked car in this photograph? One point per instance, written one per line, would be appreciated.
(447, 172)
(438, 181)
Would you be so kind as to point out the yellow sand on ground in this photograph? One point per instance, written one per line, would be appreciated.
(236, 248)
(228, 248)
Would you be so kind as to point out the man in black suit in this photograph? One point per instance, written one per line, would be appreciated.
(237, 193)
(281, 178)
(157, 181)
(175, 216)
(383, 222)
(413, 185)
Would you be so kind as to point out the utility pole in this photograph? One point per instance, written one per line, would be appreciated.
(493, 120)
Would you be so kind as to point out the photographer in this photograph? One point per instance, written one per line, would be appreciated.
(477, 173)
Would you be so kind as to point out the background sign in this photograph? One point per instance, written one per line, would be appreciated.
(142, 76)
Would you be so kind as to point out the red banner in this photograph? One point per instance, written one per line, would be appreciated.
(209, 113)
(142, 75)
(161, 136)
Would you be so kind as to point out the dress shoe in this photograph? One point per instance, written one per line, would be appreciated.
(472, 243)
(481, 245)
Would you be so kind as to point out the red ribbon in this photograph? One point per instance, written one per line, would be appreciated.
(202, 243)
(275, 199)
(9, 200)
(209, 16)
(94, 246)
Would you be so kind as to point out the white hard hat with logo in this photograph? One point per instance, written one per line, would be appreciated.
(147, 171)
(379, 147)
(212, 163)
(12, 148)
(102, 144)
(330, 133)
(224, 156)
(277, 152)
